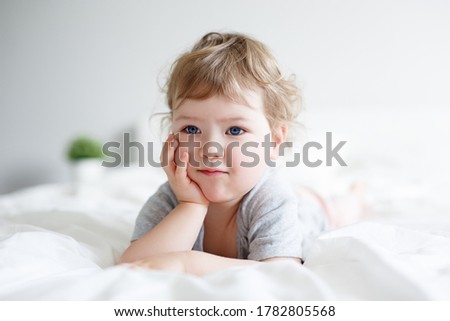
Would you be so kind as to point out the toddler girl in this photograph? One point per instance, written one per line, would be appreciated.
(224, 204)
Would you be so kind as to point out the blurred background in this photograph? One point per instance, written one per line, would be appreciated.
(375, 73)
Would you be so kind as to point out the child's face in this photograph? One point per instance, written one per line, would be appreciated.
(221, 129)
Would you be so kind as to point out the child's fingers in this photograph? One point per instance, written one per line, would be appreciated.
(164, 152)
(181, 169)
(168, 153)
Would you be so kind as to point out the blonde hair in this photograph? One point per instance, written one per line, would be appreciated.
(226, 64)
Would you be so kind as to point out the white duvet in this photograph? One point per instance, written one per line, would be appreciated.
(59, 245)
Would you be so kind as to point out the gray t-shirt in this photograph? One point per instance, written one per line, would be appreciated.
(271, 220)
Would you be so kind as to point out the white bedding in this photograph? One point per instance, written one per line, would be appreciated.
(59, 245)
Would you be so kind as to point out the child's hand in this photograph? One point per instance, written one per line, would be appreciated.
(174, 261)
(185, 189)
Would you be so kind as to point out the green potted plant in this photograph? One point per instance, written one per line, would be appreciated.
(84, 147)
(85, 155)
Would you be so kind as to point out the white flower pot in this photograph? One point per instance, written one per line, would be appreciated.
(87, 171)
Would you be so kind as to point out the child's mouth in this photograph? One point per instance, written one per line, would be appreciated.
(212, 172)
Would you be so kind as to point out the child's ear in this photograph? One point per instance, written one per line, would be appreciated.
(279, 135)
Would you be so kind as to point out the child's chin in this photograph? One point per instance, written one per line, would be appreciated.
(216, 197)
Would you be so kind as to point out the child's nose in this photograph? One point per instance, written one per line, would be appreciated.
(212, 149)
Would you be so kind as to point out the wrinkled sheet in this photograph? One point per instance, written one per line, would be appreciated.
(60, 242)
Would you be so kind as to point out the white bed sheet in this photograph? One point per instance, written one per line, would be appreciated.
(59, 245)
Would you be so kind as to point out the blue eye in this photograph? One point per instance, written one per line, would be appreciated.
(191, 130)
(235, 131)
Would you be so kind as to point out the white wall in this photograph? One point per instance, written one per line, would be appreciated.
(69, 67)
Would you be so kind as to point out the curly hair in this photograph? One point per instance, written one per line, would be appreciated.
(226, 64)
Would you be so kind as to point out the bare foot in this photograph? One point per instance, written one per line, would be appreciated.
(342, 209)
(347, 208)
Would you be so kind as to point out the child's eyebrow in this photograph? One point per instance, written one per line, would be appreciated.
(238, 118)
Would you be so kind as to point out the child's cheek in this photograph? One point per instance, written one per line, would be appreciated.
(248, 156)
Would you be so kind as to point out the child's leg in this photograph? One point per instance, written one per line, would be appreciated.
(340, 210)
